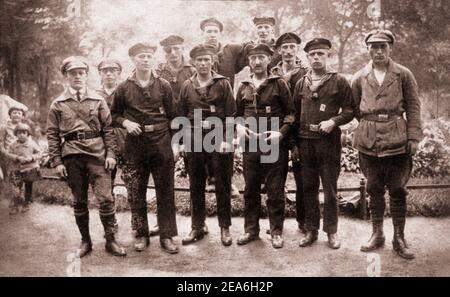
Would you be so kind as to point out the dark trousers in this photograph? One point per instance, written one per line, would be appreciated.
(19, 181)
(222, 167)
(145, 158)
(392, 172)
(274, 177)
(299, 201)
(320, 161)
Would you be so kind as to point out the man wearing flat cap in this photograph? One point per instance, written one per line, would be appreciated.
(110, 70)
(389, 130)
(291, 70)
(82, 148)
(143, 105)
(323, 101)
(205, 95)
(263, 97)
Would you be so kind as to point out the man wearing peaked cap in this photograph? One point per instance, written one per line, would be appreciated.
(82, 147)
(291, 70)
(385, 140)
(317, 43)
(264, 20)
(143, 105)
(323, 101)
(74, 62)
(110, 70)
(141, 47)
(379, 36)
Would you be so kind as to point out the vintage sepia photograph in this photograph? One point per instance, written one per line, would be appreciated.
(226, 139)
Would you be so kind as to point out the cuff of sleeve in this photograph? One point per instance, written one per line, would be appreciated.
(284, 129)
(110, 154)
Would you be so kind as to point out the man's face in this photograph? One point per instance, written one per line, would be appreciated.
(144, 61)
(259, 62)
(110, 76)
(379, 52)
(288, 51)
(77, 78)
(22, 136)
(174, 53)
(265, 32)
(318, 58)
(211, 34)
(203, 64)
(16, 116)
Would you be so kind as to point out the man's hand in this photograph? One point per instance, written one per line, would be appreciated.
(132, 127)
(412, 147)
(326, 127)
(272, 136)
(226, 147)
(62, 171)
(110, 163)
(242, 131)
(295, 154)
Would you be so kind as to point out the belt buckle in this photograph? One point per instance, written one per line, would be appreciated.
(383, 117)
(149, 128)
(81, 135)
(206, 124)
(314, 128)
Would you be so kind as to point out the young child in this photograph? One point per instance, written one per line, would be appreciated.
(16, 115)
(24, 154)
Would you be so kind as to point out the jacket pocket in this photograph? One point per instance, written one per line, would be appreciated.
(396, 137)
(365, 135)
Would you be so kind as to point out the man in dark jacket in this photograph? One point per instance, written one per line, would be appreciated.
(388, 108)
(318, 97)
(143, 104)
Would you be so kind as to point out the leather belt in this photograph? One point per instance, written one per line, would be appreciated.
(82, 135)
(381, 117)
(310, 127)
(154, 127)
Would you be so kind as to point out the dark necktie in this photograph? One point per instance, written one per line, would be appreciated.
(78, 96)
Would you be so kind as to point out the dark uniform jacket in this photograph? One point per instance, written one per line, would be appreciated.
(398, 95)
(176, 79)
(332, 99)
(272, 99)
(231, 59)
(292, 77)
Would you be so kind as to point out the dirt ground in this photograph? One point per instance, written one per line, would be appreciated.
(42, 242)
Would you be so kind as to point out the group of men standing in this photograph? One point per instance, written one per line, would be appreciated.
(87, 132)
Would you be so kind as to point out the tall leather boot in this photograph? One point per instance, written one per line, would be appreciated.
(111, 245)
(377, 239)
(399, 243)
(86, 243)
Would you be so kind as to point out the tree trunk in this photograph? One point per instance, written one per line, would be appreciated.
(16, 70)
(341, 57)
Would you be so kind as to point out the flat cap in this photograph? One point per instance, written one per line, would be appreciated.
(288, 37)
(22, 127)
(379, 36)
(171, 40)
(109, 63)
(264, 20)
(202, 50)
(211, 22)
(317, 43)
(74, 62)
(258, 48)
(141, 47)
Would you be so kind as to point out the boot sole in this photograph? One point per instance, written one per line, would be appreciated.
(375, 247)
(198, 238)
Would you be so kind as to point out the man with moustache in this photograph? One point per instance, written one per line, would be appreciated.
(81, 147)
(318, 97)
(143, 105)
(263, 96)
(389, 130)
(291, 70)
